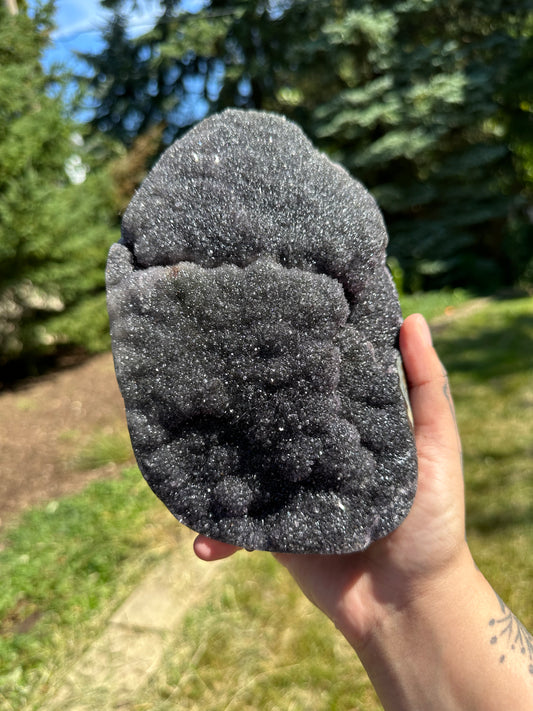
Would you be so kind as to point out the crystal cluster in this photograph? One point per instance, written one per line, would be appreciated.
(254, 327)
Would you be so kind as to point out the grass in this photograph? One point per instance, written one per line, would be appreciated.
(63, 567)
(434, 303)
(255, 642)
(104, 448)
(489, 356)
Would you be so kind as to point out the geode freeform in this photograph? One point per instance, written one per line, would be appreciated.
(254, 327)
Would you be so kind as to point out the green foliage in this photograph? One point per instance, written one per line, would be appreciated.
(425, 126)
(55, 212)
(427, 102)
(256, 54)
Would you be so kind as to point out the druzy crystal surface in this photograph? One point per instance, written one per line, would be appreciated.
(254, 328)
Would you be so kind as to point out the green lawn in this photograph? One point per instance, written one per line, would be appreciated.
(255, 643)
(489, 356)
(434, 304)
(63, 568)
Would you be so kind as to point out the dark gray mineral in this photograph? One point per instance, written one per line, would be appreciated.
(254, 328)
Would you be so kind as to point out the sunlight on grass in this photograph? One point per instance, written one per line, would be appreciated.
(63, 568)
(489, 356)
(104, 448)
(433, 303)
(257, 643)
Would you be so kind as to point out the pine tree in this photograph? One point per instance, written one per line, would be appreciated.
(426, 121)
(245, 53)
(427, 102)
(54, 217)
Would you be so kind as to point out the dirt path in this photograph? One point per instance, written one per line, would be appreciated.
(44, 424)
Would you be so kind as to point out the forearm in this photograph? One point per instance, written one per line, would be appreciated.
(453, 648)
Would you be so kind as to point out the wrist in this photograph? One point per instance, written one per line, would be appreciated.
(437, 648)
(412, 651)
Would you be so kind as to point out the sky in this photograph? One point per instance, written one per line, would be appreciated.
(79, 24)
(79, 27)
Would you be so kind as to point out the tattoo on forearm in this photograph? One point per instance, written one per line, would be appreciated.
(511, 636)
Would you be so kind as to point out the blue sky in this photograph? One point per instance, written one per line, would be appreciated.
(79, 27)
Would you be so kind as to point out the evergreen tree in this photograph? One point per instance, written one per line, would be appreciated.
(54, 214)
(246, 53)
(427, 102)
(426, 120)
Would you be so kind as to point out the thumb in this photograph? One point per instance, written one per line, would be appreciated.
(429, 392)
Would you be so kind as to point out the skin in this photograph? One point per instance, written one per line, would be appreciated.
(426, 624)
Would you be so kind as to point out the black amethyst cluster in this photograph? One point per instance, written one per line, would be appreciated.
(254, 327)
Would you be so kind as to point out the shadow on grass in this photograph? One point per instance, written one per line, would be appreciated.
(504, 517)
(499, 349)
(494, 349)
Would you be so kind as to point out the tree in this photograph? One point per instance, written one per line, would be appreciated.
(413, 97)
(432, 120)
(238, 53)
(55, 216)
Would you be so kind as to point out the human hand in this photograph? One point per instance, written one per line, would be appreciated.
(357, 591)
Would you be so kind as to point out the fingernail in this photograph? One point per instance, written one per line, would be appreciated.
(425, 333)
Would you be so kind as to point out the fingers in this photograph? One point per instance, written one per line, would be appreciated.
(208, 550)
(429, 393)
